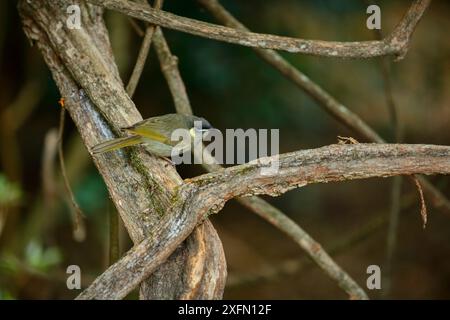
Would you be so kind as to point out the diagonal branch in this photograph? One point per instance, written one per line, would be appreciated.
(395, 44)
(201, 196)
(169, 67)
(142, 55)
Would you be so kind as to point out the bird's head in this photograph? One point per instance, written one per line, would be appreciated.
(198, 125)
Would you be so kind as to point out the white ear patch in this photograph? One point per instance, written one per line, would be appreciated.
(192, 132)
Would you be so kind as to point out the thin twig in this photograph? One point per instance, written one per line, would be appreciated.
(79, 230)
(385, 67)
(261, 207)
(395, 44)
(12, 117)
(114, 247)
(423, 207)
(49, 154)
(169, 67)
(136, 27)
(143, 53)
(391, 243)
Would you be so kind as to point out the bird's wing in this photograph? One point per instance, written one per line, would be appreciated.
(156, 128)
(152, 128)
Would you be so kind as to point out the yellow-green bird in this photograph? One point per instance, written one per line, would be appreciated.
(155, 134)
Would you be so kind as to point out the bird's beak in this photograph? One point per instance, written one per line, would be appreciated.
(203, 130)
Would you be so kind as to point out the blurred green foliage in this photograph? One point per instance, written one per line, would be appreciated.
(10, 192)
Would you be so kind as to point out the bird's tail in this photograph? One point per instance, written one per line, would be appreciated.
(115, 144)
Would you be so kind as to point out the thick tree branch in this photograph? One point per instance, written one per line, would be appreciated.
(395, 44)
(327, 164)
(206, 194)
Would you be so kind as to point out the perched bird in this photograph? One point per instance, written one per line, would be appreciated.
(155, 134)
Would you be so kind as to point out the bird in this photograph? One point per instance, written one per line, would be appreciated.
(155, 134)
